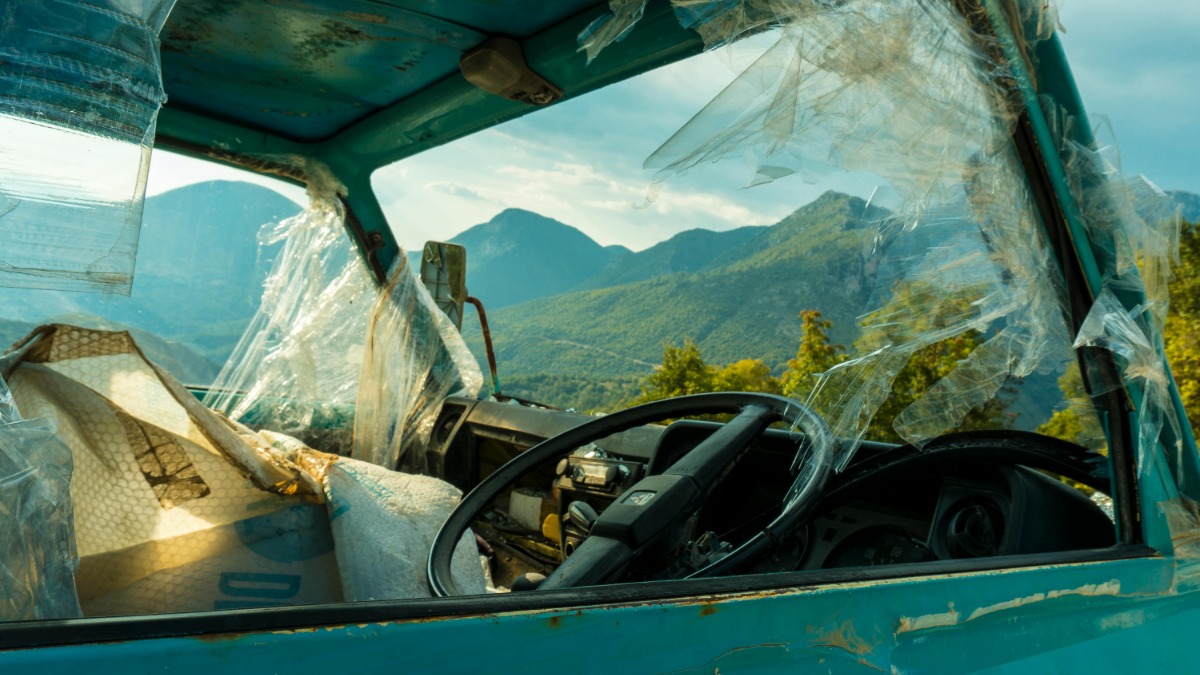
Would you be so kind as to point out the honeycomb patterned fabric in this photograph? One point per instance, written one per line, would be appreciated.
(178, 509)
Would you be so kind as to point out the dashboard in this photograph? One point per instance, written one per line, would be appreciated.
(906, 513)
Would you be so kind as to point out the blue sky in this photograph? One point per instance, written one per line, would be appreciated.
(1138, 63)
(580, 162)
(1137, 67)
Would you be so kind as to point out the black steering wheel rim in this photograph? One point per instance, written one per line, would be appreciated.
(817, 439)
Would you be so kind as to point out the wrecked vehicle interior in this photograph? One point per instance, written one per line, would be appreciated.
(347, 459)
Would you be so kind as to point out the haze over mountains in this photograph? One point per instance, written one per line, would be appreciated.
(736, 293)
(1188, 203)
(567, 314)
(197, 282)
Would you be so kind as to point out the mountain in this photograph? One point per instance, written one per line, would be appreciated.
(1188, 202)
(520, 255)
(690, 251)
(811, 259)
(200, 266)
(737, 294)
(197, 281)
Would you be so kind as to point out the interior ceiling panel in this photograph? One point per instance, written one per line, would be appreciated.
(305, 69)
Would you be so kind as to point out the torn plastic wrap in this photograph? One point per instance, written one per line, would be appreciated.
(414, 357)
(1182, 516)
(79, 95)
(610, 28)
(1135, 234)
(296, 368)
(1132, 337)
(905, 91)
(37, 544)
(177, 509)
(333, 359)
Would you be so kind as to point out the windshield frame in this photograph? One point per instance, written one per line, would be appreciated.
(354, 154)
(345, 155)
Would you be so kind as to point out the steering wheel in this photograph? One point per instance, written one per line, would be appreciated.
(646, 515)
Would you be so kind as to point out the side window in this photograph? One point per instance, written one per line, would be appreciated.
(199, 272)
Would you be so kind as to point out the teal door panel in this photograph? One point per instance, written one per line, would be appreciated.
(1033, 618)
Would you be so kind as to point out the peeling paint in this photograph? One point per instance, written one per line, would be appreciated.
(909, 624)
(1090, 590)
(952, 617)
(1123, 620)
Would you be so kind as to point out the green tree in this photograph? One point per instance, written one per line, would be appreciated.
(815, 355)
(922, 309)
(745, 375)
(683, 372)
(1182, 333)
(1076, 422)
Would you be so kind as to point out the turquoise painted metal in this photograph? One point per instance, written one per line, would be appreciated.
(1089, 616)
(1137, 612)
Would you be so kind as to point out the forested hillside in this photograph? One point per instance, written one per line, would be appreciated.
(733, 297)
(811, 259)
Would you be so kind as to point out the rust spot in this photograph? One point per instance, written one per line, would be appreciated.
(708, 610)
(844, 636)
(555, 621)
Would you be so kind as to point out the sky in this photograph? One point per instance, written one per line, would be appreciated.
(580, 162)
(1137, 66)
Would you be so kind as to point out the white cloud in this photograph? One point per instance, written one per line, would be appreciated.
(458, 190)
(709, 207)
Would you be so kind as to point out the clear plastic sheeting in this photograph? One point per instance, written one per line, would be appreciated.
(79, 96)
(37, 546)
(1131, 336)
(414, 357)
(610, 28)
(1183, 522)
(335, 360)
(1135, 233)
(862, 85)
(296, 368)
(907, 92)
(177, 509)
